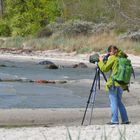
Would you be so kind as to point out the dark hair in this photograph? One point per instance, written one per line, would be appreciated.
(112, 46)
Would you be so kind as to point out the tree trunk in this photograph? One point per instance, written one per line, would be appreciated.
(1, 8)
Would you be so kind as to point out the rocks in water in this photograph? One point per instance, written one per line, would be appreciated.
(3, 65)
(48, 64)
(51, 66)
(80, 65)
(45, 62)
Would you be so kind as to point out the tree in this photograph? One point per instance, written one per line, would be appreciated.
(1, 8)
(28, 16)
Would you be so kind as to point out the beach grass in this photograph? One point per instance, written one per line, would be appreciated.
(104, 134)
(79, 44)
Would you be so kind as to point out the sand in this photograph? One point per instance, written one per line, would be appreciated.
(97, 132)
(63, 124)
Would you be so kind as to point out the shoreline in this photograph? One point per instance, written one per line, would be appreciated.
(59, 57)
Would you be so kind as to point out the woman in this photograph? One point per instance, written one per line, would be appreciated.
(115, 89)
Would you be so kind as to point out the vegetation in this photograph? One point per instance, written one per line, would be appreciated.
(79, 44)
(23, 17)
(27, 21)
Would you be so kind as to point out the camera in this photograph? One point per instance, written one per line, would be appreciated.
(95, 58)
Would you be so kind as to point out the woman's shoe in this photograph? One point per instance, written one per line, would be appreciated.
(111, 123)
(126, 122)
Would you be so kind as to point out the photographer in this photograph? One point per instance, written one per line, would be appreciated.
(114, 88)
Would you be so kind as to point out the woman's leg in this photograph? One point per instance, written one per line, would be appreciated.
(121, 106)
(113, 104)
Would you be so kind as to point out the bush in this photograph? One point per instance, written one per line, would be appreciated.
(79, 27)
(4, 29)
(72, 28)
(45, 32)
(132, 35)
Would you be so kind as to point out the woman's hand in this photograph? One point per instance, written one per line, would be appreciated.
(100, 58)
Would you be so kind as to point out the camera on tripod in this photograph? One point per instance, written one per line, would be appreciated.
(96, 84)
(95, 58)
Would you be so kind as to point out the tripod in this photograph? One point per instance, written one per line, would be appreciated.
(91, 98)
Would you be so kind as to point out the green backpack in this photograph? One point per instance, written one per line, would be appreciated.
(125, 71)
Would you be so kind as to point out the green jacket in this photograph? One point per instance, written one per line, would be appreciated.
(112, 64)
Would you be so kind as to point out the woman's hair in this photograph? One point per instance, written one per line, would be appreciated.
(112, 47)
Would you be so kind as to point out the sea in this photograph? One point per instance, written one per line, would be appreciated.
(25, 94)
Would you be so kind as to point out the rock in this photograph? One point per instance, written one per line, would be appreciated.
(3, 65)
(80, 65)
(51, 66)
(45, 62)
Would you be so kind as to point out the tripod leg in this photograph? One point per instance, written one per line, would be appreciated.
(91, 114)
(84, 114)
(87, 106)
(94, 95)
(97, 80)
(89, 97)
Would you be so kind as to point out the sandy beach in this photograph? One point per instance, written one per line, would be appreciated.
(94, 132)
(62, 124)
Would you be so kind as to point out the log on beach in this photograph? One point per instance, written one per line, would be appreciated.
(35, 81)
(50, 81)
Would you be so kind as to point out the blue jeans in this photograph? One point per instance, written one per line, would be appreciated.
(115, 96)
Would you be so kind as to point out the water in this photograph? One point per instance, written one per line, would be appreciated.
(33, 95)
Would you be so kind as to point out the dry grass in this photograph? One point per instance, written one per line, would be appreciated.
(80, 44)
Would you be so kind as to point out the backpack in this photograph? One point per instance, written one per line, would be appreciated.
(124, 71)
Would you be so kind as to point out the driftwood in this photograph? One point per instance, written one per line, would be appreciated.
(34, 81)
